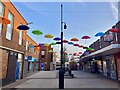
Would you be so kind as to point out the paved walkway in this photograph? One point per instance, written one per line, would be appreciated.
(49, 79)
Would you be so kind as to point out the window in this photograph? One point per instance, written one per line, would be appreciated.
(9, 27)
(26, 44)
(1, 14)
(20, 38)
(100, 44)
(31, 48)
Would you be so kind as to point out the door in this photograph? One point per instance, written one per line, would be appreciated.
(17, 70)
(11, 71)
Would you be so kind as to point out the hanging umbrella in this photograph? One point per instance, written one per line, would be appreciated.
(41, 44)
(4, 20)
(114, 30)
(23, 27)
(90, 49)
(57, 39)
(31, 46)
(65, 41)
(74, 54)
(46, 44)
(70, 54)
(48, 36)
(80, 52)
(37, 32)
(74, 39)
(58, 42)
(85, 47)
(80, 46)
(85, 37)
(50, 51)
(53, 43)
(99, 34)
(71, 43)
(76, 44)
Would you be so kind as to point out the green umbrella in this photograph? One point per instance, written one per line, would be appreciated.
(53, 43)
(50, 51)
(90, 49)
(37, 32)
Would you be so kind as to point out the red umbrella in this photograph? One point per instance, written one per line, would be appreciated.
(76, 44)
(80, 46)
(80, 52)
(74, 54)
(65, 41)
(74, 39)
(114, 30)
(85, 37)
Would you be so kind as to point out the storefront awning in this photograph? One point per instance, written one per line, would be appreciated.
(111, 49)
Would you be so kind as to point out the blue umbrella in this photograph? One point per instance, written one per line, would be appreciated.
(99, 34)
(23, 27)
(70, 43)
(57, 39)
(58, 42)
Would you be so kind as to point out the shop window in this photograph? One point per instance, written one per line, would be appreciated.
(1, 14)
(9, 27)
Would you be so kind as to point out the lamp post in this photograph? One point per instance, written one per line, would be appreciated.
(61, 71)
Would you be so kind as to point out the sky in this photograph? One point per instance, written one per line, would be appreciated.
(82, 18)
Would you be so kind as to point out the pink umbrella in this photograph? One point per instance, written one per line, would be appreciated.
(85, 37)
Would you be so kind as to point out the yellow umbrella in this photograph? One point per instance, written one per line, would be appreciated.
(46, 44)
(48, 36)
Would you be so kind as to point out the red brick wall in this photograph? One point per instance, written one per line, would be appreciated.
(117, 56)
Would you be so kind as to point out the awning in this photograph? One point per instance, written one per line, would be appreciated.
(111, 49)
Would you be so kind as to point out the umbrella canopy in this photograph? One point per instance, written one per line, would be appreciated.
(37, 32)
(80, 46)
(80, 52)
(90, 49)
(31, 46)
(76, 44)
(58, 42)
(40, 44)
(23, 27)
(99, 34)
(65, 41)
(70, 43)
(85, 47)
(74, 54)
(53, 43)
(114, 30)
(70, 54)
(85, 37)
(57, 39)
(50, 51)
(46, 44)
(74, 39)
(48, 36)
(4, 20)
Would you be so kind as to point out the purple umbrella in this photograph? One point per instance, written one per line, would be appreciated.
(40, 44)
(57, 39)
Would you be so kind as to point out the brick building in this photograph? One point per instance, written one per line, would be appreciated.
(106, 56)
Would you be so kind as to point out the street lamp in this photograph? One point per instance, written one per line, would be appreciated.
(61, 71)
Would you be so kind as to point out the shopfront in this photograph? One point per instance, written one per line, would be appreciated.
(109, 67)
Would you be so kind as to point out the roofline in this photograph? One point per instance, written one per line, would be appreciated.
(18, 11)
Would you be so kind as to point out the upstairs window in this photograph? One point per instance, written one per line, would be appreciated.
(1, 14)
(20, 37)
(9, 27)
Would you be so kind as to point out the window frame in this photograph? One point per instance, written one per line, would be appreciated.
(11, 26)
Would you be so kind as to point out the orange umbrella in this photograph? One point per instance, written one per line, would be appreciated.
(4, 20)
(74, 39)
